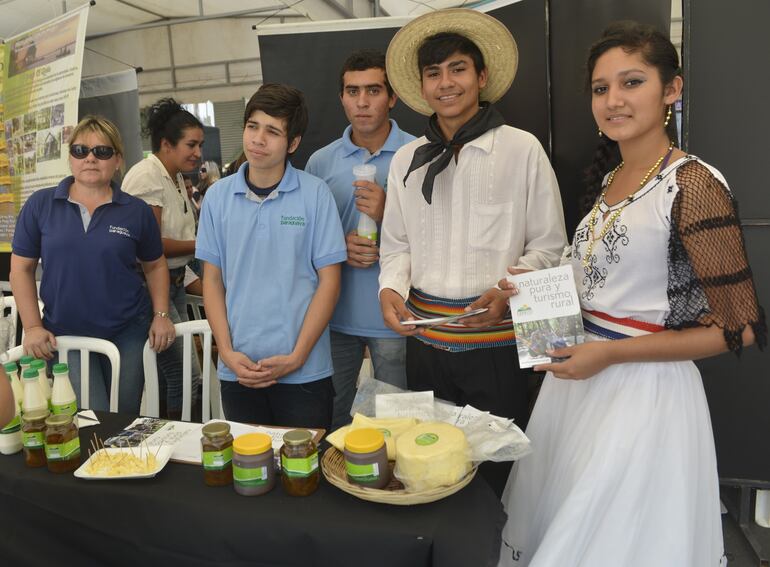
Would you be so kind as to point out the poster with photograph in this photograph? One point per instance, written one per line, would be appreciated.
(546, 314)
(40, 86)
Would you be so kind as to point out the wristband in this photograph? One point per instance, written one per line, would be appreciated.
(161, 314)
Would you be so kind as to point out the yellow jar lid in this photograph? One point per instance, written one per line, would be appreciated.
(252, 444)
(364, 440)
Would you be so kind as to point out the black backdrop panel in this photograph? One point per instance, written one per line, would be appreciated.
(727, 120)
(311, 62)
(575, 25)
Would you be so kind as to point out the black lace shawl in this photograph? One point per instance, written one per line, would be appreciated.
(710, 281)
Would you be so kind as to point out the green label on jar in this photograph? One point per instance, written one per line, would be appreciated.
(13, 426)
(426, 439)
(299, 467)
(217, 460)
(250, 476)
(63, 451)
(363, 473)
(33, 440)
(69, 409)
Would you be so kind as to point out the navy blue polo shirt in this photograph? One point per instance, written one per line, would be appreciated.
(90, 284)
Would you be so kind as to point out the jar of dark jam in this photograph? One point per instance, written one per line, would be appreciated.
(62, 444)
(33, 437)
(217, 449)
(300, 474)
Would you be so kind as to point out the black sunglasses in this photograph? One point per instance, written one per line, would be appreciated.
(81, 151)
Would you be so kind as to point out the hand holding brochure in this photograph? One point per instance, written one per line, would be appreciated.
(444, 320)
(546, 314)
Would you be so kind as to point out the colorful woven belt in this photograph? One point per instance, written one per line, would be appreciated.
(609, 327)
(456, 337)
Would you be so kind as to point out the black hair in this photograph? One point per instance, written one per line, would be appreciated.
(657, 51)
(363, 60)
(438, 47)
(280, 101)
(167, 119)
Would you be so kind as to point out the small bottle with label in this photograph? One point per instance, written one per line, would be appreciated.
(42, 377)
(18, 389)
(300, 474)
(34, 399)
(62, 443)
(33, 437)
(10, 434)
(253, 464)
(25, 362)
(217, 453)
(63, 399)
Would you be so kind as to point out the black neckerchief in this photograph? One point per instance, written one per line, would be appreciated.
(484, 120)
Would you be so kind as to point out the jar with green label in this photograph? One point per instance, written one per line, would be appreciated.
(217, 454)
(62, 444)
(33, 437)
(253, 464)
(300, 474)
(366, 458)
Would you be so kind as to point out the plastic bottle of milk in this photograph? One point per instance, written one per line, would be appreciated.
(34, 399)
(24, 363)
(366, 225)
(63, 399)
(42, 376)
(13, 375)
(10, 434)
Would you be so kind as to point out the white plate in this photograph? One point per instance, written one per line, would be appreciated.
(444, 320)
(162, 457)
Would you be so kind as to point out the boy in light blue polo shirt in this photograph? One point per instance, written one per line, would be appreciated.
(371, 138)
(272, 244)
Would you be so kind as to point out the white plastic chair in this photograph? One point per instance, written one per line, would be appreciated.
(212, 403)
(86, 345)
(195, 304)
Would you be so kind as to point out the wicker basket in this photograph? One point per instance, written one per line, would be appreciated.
(333, 467)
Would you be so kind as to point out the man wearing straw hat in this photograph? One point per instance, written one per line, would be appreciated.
(465, 201)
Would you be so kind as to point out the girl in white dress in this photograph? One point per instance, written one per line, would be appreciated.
(623, 472)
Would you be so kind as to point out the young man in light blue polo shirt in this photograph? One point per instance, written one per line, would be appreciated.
(371, 138)
(272, 244)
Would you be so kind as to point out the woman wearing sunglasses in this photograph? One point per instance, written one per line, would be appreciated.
(176, 136)
(88, 234)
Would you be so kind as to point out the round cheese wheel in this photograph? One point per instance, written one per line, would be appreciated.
(430, 455)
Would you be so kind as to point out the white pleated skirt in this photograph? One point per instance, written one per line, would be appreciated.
(622, 474)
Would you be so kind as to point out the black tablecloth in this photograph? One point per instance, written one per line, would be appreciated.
(174, 519)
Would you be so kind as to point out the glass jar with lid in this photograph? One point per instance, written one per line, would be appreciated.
(33, 437)
(62, 444)
(217, 453)
(300, 474)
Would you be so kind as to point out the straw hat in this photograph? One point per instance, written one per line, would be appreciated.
(493, 39)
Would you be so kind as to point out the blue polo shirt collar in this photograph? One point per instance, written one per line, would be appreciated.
(392, 143)
(289, 181)
(62, 191)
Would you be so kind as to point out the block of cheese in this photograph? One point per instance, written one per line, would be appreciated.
(337, 439)
(430, 455)
(391, 428)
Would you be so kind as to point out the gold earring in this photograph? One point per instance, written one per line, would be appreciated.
(668, 116)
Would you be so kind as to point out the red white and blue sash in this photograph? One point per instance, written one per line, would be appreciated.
(609, 327)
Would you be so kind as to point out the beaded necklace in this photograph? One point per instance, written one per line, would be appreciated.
(593, 219)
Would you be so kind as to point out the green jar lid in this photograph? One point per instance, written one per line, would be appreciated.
(58, 419)
(61, 368)
(26, 360)
(297, 437)
(37, 364)
(10, 367)
(29, 374)
(216, 429)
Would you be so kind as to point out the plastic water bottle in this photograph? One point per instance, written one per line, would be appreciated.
(63, 399)
(13, 375)
(10, 434)
(34, 399)
(42, 376)
(366, 225)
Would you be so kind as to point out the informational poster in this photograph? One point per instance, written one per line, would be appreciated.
(40, 85)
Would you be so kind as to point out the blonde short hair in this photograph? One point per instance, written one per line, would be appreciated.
(103, 127)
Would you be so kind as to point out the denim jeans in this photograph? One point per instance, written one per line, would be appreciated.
(170, 360)
(288, 405)
(130, 342)
(388, 359)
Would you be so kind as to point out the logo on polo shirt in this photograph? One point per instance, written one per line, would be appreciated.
(293, 221)
(122, 231)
